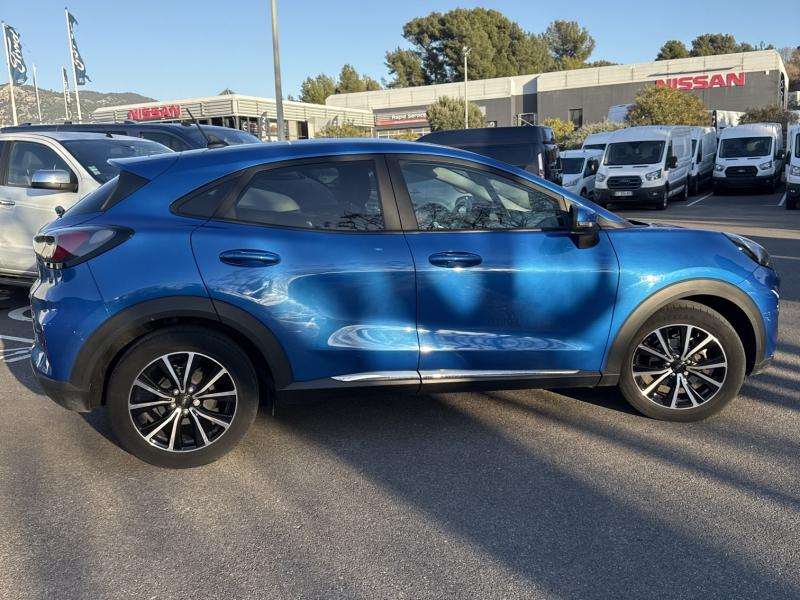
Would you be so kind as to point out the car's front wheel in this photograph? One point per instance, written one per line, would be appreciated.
(182, 397)
(684, 364)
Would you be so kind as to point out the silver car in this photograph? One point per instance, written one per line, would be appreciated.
(42, 171)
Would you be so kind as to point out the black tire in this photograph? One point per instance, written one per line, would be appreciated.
(694, 186)
(677, 315)
(663, 202)
(683, 194)
(791, 203)
(583, 194)
(207, 344)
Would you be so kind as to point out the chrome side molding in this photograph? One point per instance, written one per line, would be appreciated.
(445, 374)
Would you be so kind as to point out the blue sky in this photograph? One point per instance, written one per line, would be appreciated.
(183, 48)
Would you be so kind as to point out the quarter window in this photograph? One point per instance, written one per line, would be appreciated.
(451, 197)
(28, 157)
(338, 195)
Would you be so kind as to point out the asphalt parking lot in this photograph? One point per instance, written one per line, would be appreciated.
(525, 494)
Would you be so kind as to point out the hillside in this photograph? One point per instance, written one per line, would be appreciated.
(53, 104)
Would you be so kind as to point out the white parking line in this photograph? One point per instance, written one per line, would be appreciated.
(783, 199)
(700, 199)
(786, 257)
(10, 355)
(11, 338)
(18, 314)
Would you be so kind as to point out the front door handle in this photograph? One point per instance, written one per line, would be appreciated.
(7, 203)
(454, 260)
(249, 258)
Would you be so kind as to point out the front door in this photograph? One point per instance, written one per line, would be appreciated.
(313, 249)
(23, 209)
(503, 289)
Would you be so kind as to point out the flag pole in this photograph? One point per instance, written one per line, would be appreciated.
(277, 64)
(36, 89)
(72, 60)
(66, 92)
(10, 78)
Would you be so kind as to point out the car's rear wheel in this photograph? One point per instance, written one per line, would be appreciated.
(182, 397)
(684, 364)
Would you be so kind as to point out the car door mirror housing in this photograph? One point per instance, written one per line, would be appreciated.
(672, 162)
(53, 179)
(584, 226)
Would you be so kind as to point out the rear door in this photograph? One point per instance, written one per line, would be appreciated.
(313, 249)
(503, 289)
(23, 209)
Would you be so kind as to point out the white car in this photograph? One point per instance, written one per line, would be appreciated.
(749, 156)
(578, 171)
(704, 151)
(793, 168)
(48, 171)
(645, 165)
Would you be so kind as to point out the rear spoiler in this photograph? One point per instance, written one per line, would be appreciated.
(147, 167)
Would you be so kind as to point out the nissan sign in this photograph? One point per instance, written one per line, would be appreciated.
(150, 113)
(701, 82)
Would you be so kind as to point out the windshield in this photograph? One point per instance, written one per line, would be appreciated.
(634, 153)
(571, 166)
(95, 154)
(594, 146)
(232, 137)
(744, 147)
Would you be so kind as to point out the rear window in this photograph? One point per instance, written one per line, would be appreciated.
(111, 193)
(517, 155)
(232, 137)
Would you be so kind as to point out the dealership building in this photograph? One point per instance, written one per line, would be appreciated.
(727, 82)
(249, 113)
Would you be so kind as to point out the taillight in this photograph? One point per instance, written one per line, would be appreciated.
(68, 247)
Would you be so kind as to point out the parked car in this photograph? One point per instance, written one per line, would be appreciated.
(596, 141)
(40, 172)
(704, 151)
(579, 168)
(531, 148)
(176, 136)
(749, 156)
(184, 290)
(793, 168)
(645, 165)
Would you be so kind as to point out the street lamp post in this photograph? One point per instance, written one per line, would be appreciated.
(466, 50)
(277, 62)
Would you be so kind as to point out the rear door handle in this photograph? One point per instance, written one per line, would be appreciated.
(249, 258)
(7, 203)
(453, 260)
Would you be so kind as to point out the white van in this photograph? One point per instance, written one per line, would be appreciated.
(793, 168)
(596, 141)
(748, 156)
(645, 165)
(578, 171)
(704, 151)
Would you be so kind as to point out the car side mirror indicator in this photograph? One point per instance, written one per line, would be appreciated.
(53, 179)
(584, 226)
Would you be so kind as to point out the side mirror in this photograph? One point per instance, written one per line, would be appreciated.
(53, 179)
(780, 155)
(672, 162)
(584, 226)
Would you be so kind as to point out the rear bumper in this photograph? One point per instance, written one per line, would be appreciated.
(641, 195)
(63, 393)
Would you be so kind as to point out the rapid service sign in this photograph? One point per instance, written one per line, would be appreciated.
(700, 82)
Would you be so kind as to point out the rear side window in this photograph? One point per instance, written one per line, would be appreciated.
(109, 194)
(337, 195)
(205, 202)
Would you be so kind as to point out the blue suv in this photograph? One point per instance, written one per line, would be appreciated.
(192, 285)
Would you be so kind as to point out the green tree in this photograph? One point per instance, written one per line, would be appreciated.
(672, 49)
(770, 114)
(345, 130)
(575, 139)
(561, 129)
(405, 66)
(500, 48)
(709, 44)
(448, 113)
(316, 89)
(569, 43)
(601, 63)
(351, 81)
(667, 106)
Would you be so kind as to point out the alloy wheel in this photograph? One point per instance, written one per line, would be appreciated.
(182, 401)
(679, 366)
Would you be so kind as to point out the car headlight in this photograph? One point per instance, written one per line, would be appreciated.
(719, 168)
(765, 166)
(755, 251)
(601, 177)
(569, 182)
(653, 175)
(794, 171)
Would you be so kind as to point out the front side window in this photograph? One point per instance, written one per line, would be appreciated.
(452, 197)
(634, 153)
(744, 147)
(28, 157)
(340, 195)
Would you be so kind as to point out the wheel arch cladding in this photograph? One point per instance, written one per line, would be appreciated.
(728, 300)
(107, 344)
